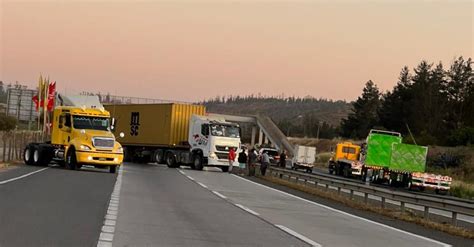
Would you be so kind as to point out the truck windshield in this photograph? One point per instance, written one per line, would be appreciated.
(94, 123)
(225, 131)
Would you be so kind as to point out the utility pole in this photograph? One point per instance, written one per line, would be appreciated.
(317, 134)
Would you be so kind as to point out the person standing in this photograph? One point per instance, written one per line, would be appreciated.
(242, 160)
(253, 156)
(265, 163)
(231, 159)
(283, 159)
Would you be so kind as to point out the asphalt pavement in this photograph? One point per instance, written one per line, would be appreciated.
(161, 207)
(54, 207)
(152, 205)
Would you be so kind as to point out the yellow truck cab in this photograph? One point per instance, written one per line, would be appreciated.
(345, 160)
(80, 136)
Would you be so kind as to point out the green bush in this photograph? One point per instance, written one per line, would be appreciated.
(7, 123)
(462, 136)
(462, 191)
(323, 157)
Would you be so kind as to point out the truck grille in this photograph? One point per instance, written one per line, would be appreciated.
(222, 156)
(224, 148)
(103, 142)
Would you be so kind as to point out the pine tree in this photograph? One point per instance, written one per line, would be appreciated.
(364, 113)
(395, 106)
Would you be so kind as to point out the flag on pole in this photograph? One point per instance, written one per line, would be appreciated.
(37, 99)
(51, 94)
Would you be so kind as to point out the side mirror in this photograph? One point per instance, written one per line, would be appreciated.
(112, 124)
(122, 135)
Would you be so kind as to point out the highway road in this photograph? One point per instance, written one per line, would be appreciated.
(461, 217)
(151, 205)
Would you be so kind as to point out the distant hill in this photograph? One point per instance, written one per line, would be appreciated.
(283, 110)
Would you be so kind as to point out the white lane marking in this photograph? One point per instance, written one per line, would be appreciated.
(180, 171)
(22, 176)
(190, 177)
(299, 236)
(348, 214)
(247, 209)
(110, 220)
(203, 185)
(219, 194)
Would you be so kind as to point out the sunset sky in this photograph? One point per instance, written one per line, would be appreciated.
(192, 50)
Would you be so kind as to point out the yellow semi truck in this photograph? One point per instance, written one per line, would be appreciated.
(80, 136)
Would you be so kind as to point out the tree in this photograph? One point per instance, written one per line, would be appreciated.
(395, 106)
(427, 103)
(7, 123)
(364, 113)
(458, 89)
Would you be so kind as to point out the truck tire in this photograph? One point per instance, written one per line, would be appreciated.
(28, 155)
(224, 168)
(346, 171)
(46, 154)
(197, 162)
(112, 169)
(331, 168)
(39, 156)
(171, 160)
(71, 161)
(159, 157)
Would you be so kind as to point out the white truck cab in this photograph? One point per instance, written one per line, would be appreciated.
(211, 138)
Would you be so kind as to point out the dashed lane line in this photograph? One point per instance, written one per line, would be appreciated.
(299, 236)
(219, 194)
(348, 214)
(247, 209)
(203, 185)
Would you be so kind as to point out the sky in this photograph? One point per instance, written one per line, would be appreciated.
(191, 50)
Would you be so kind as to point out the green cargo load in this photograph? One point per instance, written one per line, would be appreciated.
(379, 146)
(408, 158)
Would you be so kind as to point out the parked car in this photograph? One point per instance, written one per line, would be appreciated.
(273, 154)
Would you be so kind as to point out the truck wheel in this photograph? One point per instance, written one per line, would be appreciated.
(171, 161)
(36, 156)
(346, 171)
(45, 154)
(112, 169)
(225, 168)
(71, 162)
(28, 155)
(198, 162)
(159, 159)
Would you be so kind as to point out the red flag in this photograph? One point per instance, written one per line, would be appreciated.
(51, 94)
(35, 100)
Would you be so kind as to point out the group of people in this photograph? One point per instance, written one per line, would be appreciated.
(250, 161)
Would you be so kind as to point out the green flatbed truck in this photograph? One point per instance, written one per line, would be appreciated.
(385, 159)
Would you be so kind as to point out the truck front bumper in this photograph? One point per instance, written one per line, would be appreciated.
(99, 158)
(219, 162)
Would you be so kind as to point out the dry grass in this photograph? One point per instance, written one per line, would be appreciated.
(9, 164)
(392, 213)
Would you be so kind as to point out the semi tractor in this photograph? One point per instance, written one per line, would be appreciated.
(175, 134)
(80, 136)
(385, 159)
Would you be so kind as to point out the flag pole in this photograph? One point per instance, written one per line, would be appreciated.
(40, 88)
(45, 110)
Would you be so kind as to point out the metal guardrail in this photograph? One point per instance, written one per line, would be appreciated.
(453, 206)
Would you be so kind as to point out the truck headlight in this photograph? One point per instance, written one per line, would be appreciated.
(213, 155)
(85, 148)
(120, 150)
